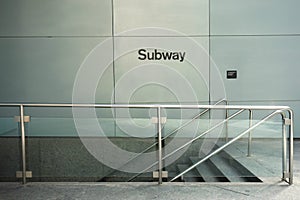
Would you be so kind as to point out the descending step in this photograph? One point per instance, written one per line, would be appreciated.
(208, 171)
(233, 170)
(191, 176)
(250, 163)
(227, 169)
(229, 165)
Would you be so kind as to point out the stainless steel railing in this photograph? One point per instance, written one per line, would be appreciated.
(285, 173)
(189, 142)
(226, 138)
(172, 133)
(282, 110)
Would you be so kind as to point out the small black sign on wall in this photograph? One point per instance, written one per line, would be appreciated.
(231, 74)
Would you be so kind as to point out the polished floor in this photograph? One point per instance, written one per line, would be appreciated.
(273, 189)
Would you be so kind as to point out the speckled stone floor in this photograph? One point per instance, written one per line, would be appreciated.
(187, 191)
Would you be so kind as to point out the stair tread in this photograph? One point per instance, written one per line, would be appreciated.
(208, 172)
(230, 172)
(232, 169)
(251, 163)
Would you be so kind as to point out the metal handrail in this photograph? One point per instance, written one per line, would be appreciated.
(238, 137)
(171, 133)
(288, 121)
(188, 143)
(184, 106)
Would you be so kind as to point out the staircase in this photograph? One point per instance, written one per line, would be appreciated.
(222, 167)
(219, 168)
(219, 165)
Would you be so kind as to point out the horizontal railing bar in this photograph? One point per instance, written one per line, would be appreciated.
(185, 106)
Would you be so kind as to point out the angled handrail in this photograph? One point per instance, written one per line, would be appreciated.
(172, 133)
(234, 140)
(189, 142)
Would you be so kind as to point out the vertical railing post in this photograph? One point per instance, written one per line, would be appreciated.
(284, 150)
(159, 146)
(250, 132)
(23, 143)
(291, 147)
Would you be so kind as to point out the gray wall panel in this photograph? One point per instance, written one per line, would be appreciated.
(248, 17)
(189, 17)
(44, 70)
(55, 18)
(267, 66)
